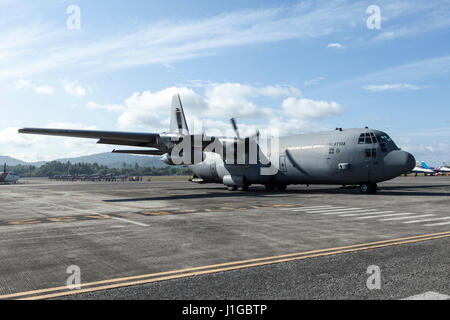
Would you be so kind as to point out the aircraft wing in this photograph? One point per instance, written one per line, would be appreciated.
(104, 137)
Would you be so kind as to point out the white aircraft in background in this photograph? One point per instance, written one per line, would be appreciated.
(442, 170)
(422, 168)
(8, 177)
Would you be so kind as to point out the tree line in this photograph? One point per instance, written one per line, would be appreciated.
(56, 168)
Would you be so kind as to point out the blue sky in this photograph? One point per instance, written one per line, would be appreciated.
(299, 66)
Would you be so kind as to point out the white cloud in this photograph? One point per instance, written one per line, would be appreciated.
(312, 81)
(73, 88)
(392, 87)
(30, 147)
(108, 107)
(150, 110)
(39, 89)
(336, 46)
(234, 99)
(44, 89)
(164, 42)
(306, 108)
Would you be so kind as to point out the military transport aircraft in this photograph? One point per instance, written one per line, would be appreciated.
(343, 157)
(8, 177)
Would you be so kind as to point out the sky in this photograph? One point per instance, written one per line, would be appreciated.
(297, 66)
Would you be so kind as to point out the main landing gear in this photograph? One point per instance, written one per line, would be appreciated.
(244, 188)
(272, 187)
(368, 188)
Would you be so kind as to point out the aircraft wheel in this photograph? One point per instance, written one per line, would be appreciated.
(269, 187)
(232, 188)
(281, 187)
(244, 188)
(368, 188)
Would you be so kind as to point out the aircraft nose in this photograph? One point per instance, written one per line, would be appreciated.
(401, 160)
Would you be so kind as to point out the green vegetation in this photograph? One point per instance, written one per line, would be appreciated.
(65, 168)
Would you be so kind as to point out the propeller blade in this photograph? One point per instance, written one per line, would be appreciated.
(233, 123)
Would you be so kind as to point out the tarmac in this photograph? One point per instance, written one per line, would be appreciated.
(180, 240)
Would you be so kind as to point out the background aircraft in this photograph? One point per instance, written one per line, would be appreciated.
(343, 157)
(8, 177)
(421, 167)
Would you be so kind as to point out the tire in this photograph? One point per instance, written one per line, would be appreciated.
(269, 187)
(368, 188)
(281, 187)
(244, 188)
(232, 188)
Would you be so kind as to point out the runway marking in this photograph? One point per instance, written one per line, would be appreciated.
(131, 221)
(404, 218)
(323, 209)
(437, 224)
(425, 220)
(365, 214)
(189, 272)
(385, 215)
(430, 295)
(349, 211)
(64, 219)
(305, 207)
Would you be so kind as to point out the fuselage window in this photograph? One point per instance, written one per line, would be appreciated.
(367, 153)
(374, 153)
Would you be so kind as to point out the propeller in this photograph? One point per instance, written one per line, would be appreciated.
(235, 128)
(233, 123)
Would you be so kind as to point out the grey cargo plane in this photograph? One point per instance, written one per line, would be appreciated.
(360, 157)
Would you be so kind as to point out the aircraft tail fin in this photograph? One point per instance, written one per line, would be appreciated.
(424, 165)
(177, 119)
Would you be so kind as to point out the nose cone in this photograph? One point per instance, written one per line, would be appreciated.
(400, 161)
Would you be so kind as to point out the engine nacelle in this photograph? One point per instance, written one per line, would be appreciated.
(179, 160)
(233, 181)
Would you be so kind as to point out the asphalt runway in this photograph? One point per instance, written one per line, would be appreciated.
(180, 240)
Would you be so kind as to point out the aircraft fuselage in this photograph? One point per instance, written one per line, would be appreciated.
(351, 156)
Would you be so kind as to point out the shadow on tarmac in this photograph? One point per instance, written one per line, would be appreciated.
(261, 192)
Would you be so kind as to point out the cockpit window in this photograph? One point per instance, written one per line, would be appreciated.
(384, 138)
(361, 139)
(367, 138)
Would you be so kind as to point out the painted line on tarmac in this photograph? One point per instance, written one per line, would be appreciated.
(365, 214)
(131, 221)
(430, 295)
(426, 220)
(228, 266)
(386, 215)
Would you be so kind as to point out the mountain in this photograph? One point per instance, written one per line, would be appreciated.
(10, 161)
(117, 160)
(112, 160)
